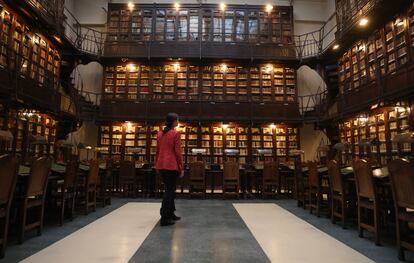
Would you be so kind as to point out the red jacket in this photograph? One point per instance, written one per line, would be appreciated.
(169, 151)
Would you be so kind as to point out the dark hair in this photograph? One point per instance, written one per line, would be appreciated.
(169, 121)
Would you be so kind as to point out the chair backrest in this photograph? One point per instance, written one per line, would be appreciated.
(9, 167)
(71, 174)
(402, 182)
(39, 173)
(109, 168)
(231, 171)
(197, 170)
(270, 170)
(364, 179)
(126, 170)
(335, 177)
(93, 173)
(313, 174)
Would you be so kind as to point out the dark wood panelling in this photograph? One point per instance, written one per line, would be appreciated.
(199, 50)
(199, 111)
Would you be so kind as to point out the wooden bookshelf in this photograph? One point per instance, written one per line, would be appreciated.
(157, 22)
(185, 81)
(348, 12)
(29, 53)
(382, 54)
(213, 137)
(23, 125)
(370, 135)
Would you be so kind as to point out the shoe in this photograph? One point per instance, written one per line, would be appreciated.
(176, 218)
(167, 222)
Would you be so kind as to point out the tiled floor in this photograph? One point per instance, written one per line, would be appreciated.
(210, 231)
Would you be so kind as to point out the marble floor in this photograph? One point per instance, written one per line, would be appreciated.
(210, 231)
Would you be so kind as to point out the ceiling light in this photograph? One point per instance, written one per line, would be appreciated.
(269, 8)
(131, 5)
(176, 66)
(177, 6)
(363, 21)
(335, 47)
(400, 22)
(223, 6)
(131, 67)
(269, 68)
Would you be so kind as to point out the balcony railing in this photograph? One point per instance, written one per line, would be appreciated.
(47, 8)
(315, 43)
(93, 42)
(348, 14)
(84, 39)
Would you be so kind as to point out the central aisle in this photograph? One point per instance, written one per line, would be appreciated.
(210, 231)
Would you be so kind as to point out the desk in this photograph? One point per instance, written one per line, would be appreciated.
(378, 173)
(246, 182)
(212, 174)
(24, 170)
(84, 167)
(381, 172)
(58, 168)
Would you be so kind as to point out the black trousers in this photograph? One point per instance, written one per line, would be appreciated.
(170, 181)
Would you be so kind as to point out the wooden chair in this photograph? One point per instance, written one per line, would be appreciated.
(105, 184)
(231, 179)
(271, 180)
(367, 199)
(316, 190)
(301, 185)
(67, 195)
(402, 184)
(34, 198)
(9, 167)
(197, 179)
(88, 193)
(128, 179)
(338, 193)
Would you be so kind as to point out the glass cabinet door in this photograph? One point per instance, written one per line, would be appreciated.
(194, 33)
(253, 26)
(183, 25)
(239, 26)
(217, 26)
(207, 25)
(228, 26)
(170, 27)
(147, 24)
(160, 25)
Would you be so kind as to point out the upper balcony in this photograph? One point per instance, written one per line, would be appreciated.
(200, 31)
(48, 11)
(355, 18)
(378, 68)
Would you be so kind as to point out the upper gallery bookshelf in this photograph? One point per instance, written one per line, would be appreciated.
(29, 53)
(382, 54)
(186, 81)
(207, 23)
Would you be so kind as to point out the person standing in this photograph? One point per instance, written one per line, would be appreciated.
(169, 163)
